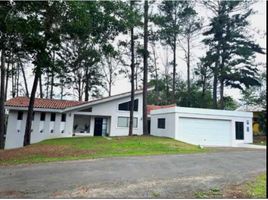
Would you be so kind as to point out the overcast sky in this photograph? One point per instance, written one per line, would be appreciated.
(258, 23)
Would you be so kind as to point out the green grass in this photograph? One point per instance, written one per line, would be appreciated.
(95, 147)
(257, 188)
(211, 194)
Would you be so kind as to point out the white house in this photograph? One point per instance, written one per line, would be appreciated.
(207, 127)
(110, 116)
(62, 118)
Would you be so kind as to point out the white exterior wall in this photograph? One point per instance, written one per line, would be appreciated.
(14, 139)
(218, 121)
(110, 109)
(170, 128)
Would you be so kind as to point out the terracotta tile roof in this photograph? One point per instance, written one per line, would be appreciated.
(43, 103)
(155, 107)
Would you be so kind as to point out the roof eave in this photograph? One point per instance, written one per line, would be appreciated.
(35, 109)
(100, 101)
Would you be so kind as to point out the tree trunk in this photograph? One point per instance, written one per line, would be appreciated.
(13, 81)
(52, 85)
(215, 84)
(52, 78)
(87, 86)
(221, 93)
(156, 74)
(110, 86)
(174, 71)
(18, 80)
(27, 134)
(188, 71)
(7, 77)
(145, 69)
(25, 80)
(2, 101)
(132, 66)
(40, 86)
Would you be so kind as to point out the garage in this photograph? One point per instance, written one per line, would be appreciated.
(205, 131)
(199, 126)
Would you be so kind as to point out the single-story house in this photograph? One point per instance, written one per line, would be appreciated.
(198, 126)
(110, 117)
(257, 112)
(62, 118)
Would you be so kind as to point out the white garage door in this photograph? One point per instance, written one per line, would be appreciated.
(205, 131)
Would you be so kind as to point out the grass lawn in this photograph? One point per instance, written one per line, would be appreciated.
(255, 188)
(94, 147)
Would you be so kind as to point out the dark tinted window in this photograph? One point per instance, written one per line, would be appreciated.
(126, 106)
(161, 123)
(63, 117)
(239, 130)
(52, 117)
(20, 115)
(43, 116)
(87, 110)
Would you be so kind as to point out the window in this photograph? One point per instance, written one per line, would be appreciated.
(239, 130)
(124, 122)
(33, 116)
(161, 123)
(63, 117)
(52, 117)
(135, 122)
(126, 106)
(43, 116)
(20, 115)
(87, 110)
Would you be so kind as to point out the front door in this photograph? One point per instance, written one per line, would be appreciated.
(98, 126)
(239, 130)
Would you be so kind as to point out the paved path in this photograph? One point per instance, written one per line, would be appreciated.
(165, 176)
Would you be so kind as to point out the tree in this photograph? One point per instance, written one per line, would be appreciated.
(145, 69)
(231, 52)
(38, 25)
(110, 62)
(256, 95)
(132, 68)
(190, 31)
(6, 44)
(170, 21)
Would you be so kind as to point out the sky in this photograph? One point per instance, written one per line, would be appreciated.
(258, 23)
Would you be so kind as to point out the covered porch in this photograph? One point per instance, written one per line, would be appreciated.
(91, 125)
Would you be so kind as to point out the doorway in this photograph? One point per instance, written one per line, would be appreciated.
(98, 126)
(239, 130)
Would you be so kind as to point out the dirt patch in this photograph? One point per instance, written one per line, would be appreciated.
(235, 192)
(12, 194)
(44, 150)
(259, 139)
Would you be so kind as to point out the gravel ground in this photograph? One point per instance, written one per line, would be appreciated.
(163, 176)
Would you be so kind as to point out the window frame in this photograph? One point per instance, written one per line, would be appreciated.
(52, 117)
(43, 115)
(136, 104)
(63, 119)
(128, 119)
(20, 115)
(159, 125)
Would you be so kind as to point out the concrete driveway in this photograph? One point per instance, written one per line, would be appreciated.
(165, 176)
